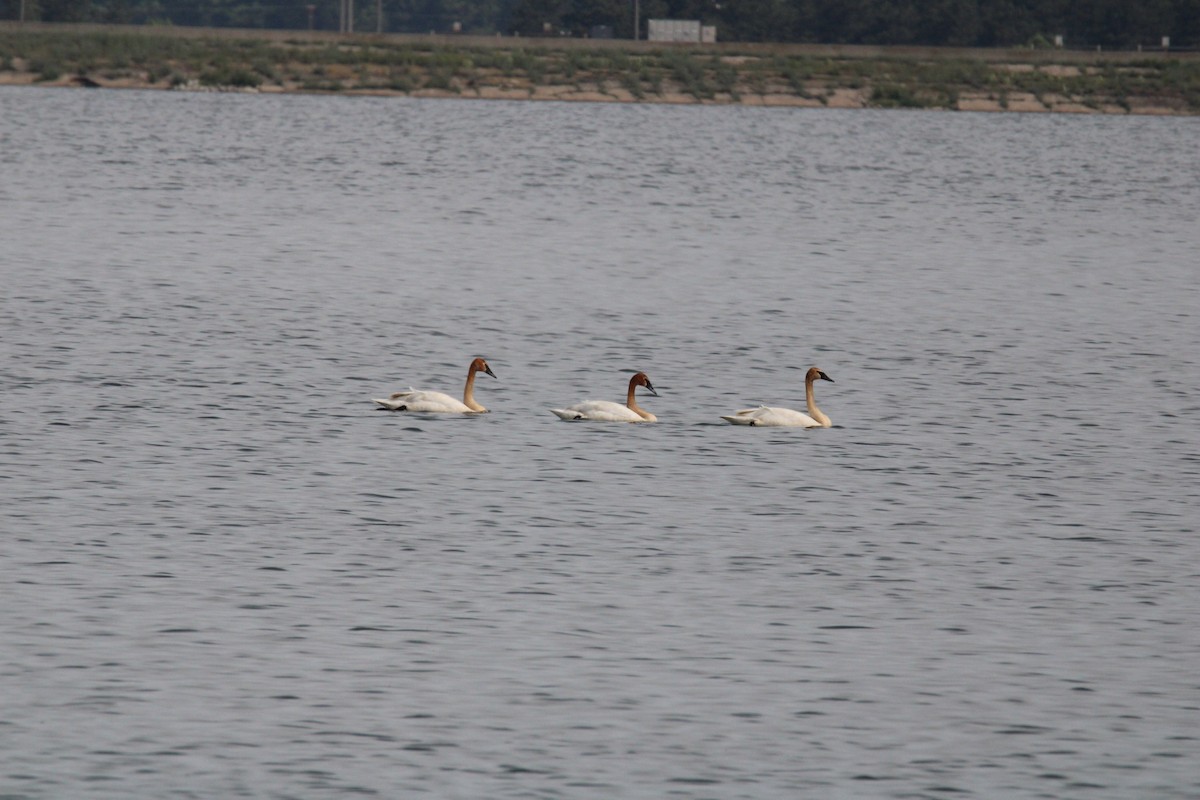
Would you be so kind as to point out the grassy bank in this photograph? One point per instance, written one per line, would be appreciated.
(619, 71)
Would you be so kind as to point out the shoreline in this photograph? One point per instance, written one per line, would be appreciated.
(605, 71)
(844, 99)
(1021, 103)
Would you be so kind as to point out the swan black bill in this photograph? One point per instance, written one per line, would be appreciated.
(825, 377)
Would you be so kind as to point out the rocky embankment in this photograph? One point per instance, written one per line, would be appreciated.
(600, 71)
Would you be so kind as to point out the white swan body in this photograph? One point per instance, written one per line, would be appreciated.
(414, 400)
(771, 416)
(785, 417)
(601, 411)
(428, 402)
(607, 411)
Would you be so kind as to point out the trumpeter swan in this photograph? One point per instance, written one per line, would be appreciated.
(436, 402)
(786, 417)
(606, 411)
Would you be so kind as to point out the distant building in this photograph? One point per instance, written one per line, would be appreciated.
(680, 30)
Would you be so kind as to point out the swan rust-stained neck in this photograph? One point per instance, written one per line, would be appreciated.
(477, 365)
(640, 379)
(810, 377)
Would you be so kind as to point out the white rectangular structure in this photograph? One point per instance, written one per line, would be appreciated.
(673, 30)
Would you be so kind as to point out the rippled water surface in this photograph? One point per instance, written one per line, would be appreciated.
(226, 575)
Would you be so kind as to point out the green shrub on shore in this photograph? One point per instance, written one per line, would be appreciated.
(225, 75)
(633, 85)
(313, 85)
(688, 74)
(891, 95)
(797, 72)
(725, 76)
(967, 74)
(440, 80)
(46, 70)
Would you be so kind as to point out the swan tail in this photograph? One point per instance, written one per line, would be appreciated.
(743, 417)
(566, 413)
(395, 400)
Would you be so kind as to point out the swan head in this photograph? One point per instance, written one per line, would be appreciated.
(816, 374)
(641, 379)
(479, 365)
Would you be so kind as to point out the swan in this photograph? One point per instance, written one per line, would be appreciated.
(605, 411)
(786, 417)
(436, 402)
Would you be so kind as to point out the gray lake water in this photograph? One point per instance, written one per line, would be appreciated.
(226, 575)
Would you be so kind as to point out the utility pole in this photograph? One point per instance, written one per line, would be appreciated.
(637, 10)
